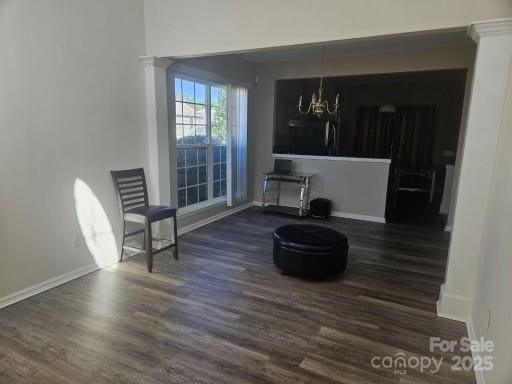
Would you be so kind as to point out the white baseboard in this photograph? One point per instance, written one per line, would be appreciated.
(346, 215)
(213, 218)
(356, 216)
(46, 285)
(479, 375)
(453, 307)
(456, 307)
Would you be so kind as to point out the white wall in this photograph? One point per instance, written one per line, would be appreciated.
(492, 306)
(484, 121)
(223, 68)
(262, 103)
(71, 107)
(197, 27)
(357, 188)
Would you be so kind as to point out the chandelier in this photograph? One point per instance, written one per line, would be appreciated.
(319, 106)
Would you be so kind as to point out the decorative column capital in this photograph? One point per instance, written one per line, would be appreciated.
(490, 28)
(151, 61)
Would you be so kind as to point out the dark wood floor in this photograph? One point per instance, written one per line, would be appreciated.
(222, 314)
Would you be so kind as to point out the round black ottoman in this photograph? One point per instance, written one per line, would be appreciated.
(310, 251)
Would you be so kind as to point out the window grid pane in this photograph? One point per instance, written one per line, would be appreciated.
(192, 175)
(177, 90)
(191, 119)
(219, 171)
(197, 118)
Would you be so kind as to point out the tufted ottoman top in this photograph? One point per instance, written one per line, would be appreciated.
(306, 237)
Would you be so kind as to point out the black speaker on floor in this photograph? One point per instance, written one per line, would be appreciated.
(320, 208)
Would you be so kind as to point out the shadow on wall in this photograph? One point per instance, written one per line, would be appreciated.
(95, 225)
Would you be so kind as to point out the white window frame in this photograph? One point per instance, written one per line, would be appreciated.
(221, 200)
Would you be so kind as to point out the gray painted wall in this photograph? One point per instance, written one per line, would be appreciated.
(368, 178)
(354, 187)
(71, 110)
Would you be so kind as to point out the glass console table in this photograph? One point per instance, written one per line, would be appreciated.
(272, 183)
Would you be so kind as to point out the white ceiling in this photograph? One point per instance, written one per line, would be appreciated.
(359, 46)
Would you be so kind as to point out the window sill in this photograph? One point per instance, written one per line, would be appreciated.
(201, 207)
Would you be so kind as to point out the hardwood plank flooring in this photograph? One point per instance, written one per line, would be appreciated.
(223, 314)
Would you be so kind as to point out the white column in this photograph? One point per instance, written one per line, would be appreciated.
(485, 114)
(157, 129)
(460, 149)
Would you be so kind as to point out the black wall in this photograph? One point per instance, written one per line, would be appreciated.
(445, 89)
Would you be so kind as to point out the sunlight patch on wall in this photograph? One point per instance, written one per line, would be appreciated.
(95, 225)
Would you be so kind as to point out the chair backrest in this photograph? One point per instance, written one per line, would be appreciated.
(131, 188)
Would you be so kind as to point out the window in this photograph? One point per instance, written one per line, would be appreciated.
(201, 136)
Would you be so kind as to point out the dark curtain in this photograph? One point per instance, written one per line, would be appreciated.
(407, 136)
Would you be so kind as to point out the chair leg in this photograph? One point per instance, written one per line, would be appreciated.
(148, 246)
(122, 243)
(175, 225)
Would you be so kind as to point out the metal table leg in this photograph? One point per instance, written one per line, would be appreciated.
(302, 196)
(263, 195)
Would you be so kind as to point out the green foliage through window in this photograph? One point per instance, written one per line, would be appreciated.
(219, 115)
